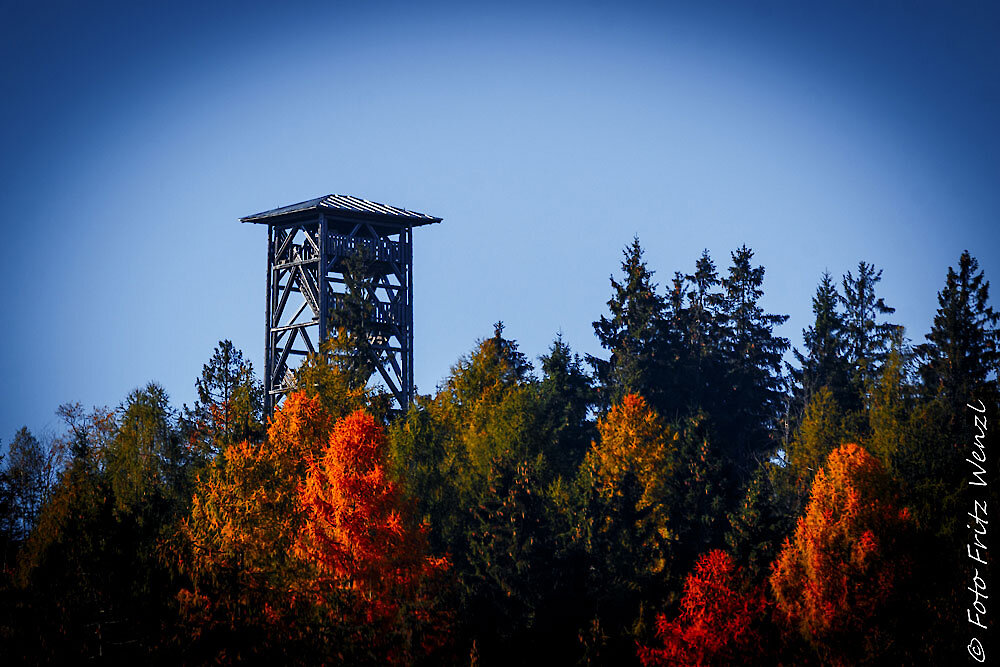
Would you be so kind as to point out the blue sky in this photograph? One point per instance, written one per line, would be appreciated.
(133, 136)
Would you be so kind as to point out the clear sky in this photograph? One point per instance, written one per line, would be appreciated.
(134, 135)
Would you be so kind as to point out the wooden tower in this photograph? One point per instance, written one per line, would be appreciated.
(309, 246)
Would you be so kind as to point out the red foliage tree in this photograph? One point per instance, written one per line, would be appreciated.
(846, 559)
(717, 620)
(359, 533)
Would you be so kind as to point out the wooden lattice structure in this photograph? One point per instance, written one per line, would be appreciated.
(309, 246)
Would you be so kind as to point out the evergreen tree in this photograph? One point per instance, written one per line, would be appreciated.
(704, 325)
(960, 357)
(868, 338)
(229, 406)
(631, 334)
(565, 396)
(824, 363)
(755, 397)
(757, 527)
(352, 322)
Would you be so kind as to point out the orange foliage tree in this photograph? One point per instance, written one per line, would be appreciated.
(237, 542)
(359, 533)
(846, 560)
(303, 546)
(717, 620)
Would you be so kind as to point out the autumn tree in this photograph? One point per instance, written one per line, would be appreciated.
(359, 532)
(237, 545)
(628, 517)
(718, 623)
(835, 580)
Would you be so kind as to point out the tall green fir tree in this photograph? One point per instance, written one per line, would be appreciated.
(868, 336)
(824, 360)
(960, 359)
(631, 334)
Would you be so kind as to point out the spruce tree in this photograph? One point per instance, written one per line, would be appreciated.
(754, 381)
(631, 334)
(868, 337)
(824, 363)
(961, 355)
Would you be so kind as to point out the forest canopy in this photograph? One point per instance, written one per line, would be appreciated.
(700, 493)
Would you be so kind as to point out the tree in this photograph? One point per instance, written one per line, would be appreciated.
(353, 321)
(91, 572)
(717, 623)
(327, 375)
(229, 406)
(757, 527)
(358, 531)
(703, 324)
(565, 396)
(824, 363)
(631, 334)
(835, 580)
(634, 441)
(88, 435)
(627, 522)
(30, 469)
(961, 356)
(755, 398)
(823, 428)
(868, 339)
(146, 462)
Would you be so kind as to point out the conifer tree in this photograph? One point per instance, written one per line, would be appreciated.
(704, 326)
(631, 334)
(352, 322)
(229, 406)
(824, 362)
(565, 395)
(961, 356)
(755, 397)
(868, 337)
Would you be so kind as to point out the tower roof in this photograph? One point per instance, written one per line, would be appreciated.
(348, 207)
